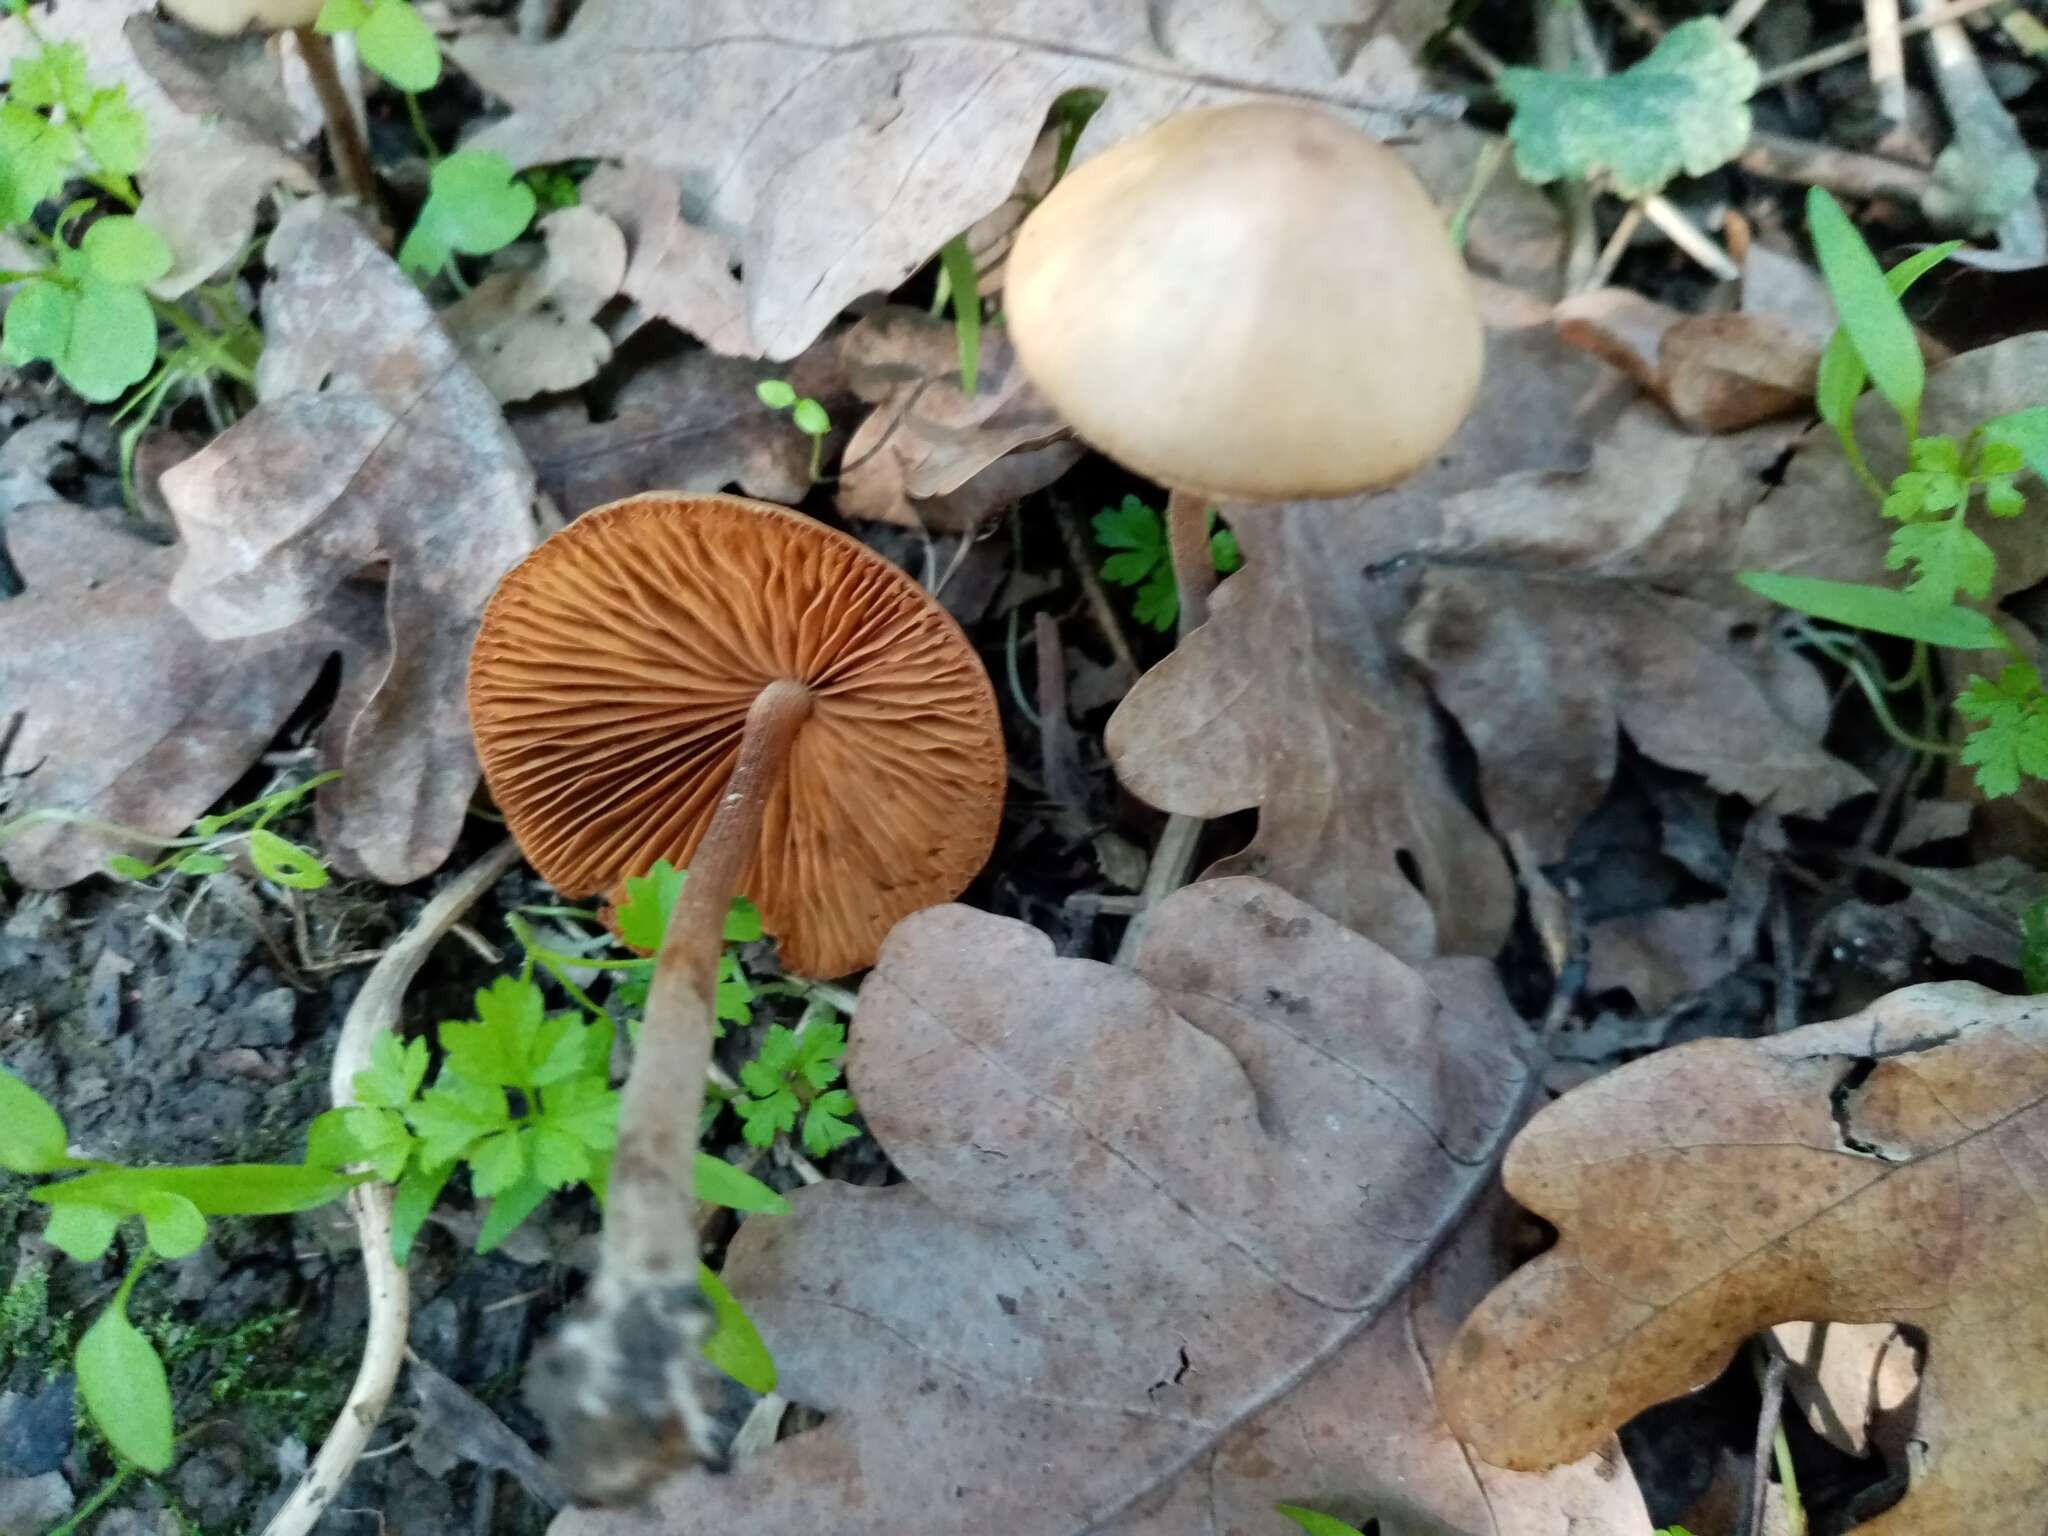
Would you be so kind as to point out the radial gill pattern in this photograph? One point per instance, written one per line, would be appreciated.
(613, 674)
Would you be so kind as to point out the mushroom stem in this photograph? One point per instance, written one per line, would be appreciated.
(623, 1387)
(1194, 569)
(344, 134)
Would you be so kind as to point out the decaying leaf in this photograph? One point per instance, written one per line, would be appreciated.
(838, 152)
(531, 333)
(1972, 913)
(1886, 1167)
(1659, 957)
(1547, 623)
(1172, 1247)
(1294, 697)
(930, 455)
(117, 707)
(679, 271)
(687, 423)
(374, 450)
(1715, 373)
(204, 172)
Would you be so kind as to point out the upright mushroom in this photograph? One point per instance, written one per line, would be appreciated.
(730, 685)
(1253, 302)
(224, 18)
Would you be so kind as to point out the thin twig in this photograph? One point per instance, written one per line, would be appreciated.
(1690, 238)
(1099, 604)
(1736, 19)
(374, 1012)
(1886, 53)
(1617, 244)
(1172, 857)
(1766, 1437)
(1850, 172)
(344, 134)
(1842, 52)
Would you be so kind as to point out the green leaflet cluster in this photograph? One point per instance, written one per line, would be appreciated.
(1144, 560)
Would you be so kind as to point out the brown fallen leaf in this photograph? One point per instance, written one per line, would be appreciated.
(1888, 1167)
(1659, 957)
(374, 450)
(1295, 698)
(1972, 913)
(678, 271)
(688, 423)
(204, 172)
(532, 333)
(1714, 373)
(1548, 624)
(1173, 1245)
(838, 155)
(930, 455)
(116, 706)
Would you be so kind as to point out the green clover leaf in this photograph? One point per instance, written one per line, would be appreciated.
(475, 205)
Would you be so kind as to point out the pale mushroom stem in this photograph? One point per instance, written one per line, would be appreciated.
(623, 1386)
(344, 135)
(1194, 570)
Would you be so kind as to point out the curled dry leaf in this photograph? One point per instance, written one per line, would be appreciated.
(1884, 1168)
(375, 449)
(930, 455)
(838, 154)
(113, 705)
(687, 423)
(678, 271)
(1659, 957)
(1175, 1246)
(532, 333)
(1547, 625)
(206, 167)
(1714, 373)
(1294, 697)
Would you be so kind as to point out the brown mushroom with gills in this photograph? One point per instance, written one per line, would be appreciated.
(1251, 303)
(729, 685)
(225, 18)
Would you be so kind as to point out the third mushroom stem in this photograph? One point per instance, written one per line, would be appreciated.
(1194, 569)
(623, 1386)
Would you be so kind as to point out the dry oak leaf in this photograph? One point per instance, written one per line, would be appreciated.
(1555, 614)
(204, 171)
(1294, 697)
(1714, 373)
(1153, 1268)
(691, 422)
(677, 271)
(930, 455)
(112, 704)
(532, 333)
(837, 146)
(1888, 1167)
(375, 449)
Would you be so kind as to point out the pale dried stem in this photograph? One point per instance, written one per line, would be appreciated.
(1099, 605)
(1736, 19)
(374, 1012)
(1617, 243)
(1841, 53)
(1847, 171)
(1690, 238)
(1172, 858)
(1887, 58)
(344, 134)
(622, 1386)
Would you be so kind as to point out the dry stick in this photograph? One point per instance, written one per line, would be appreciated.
(623, 1385)
(344, 134)
(1841, 53)
(1766, 1438)
(1617, 243)
(1847, 171)
(1736, 19)
(1194, 571)
(374, 1012)
(1887, 58)
(1099, 605)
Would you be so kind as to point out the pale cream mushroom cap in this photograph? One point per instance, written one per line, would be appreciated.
(227, 17)
(1257, 302)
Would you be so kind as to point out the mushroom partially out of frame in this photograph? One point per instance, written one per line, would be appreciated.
(224, 18)
(729, 685)
(1250, 303)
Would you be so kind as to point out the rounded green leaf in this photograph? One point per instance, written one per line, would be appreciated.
(112, 343)
(125, 867)
(125, 250)
(810, 418)
(200, 862)
(341, 16)
(82, 1232)
(776, 394)
(38, 323)
(125, 1390)
(173, 1223)
(32, 1138)
(1316, 1524)
(399, 46)
(285, 862)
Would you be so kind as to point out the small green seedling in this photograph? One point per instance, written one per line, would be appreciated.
(1145, 561)
(1317, 1524)
(791, 1076)
(806, 413)
(475, 205)
(1931, 500)
(390, 38)
(120, 1376)
(89, 316)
